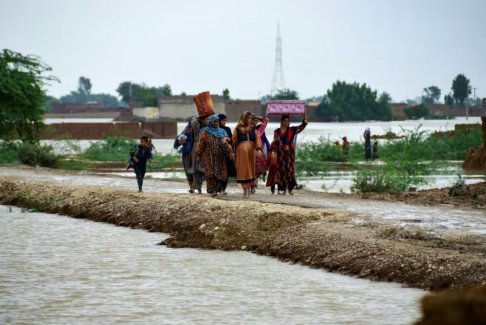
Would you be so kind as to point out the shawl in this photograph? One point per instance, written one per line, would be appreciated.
(215, 131)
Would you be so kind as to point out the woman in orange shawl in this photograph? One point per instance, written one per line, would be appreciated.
(246, 143)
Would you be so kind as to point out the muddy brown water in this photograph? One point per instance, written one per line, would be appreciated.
(55, 269)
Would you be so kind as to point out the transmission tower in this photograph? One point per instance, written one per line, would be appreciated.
(278, 82)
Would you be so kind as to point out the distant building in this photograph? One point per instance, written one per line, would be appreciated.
(438, 110)
(182, 107)
(234, 108)
(60, 108)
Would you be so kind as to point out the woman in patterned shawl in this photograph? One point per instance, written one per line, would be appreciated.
(283, 146)
(246, 142)
(213, 147)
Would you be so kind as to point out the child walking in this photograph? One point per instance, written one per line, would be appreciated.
(139, 155)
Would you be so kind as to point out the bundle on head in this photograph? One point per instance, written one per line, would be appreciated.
(204, 103)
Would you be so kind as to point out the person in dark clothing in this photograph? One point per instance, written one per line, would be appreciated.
(375, 150)
(140, 155)
(345, 148)
(222, 124)
(230, 164)
(367, 146)
(184, 141)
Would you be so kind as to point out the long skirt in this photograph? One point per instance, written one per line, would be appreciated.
(186, 163)
(285, 173)
(245, 163)
(261, 166)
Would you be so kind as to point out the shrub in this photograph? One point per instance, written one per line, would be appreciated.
(110, 149)
(8, 152)
(382, 180)
(34, 154)
(416, 112)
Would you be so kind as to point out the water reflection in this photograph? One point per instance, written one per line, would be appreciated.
(61, 270)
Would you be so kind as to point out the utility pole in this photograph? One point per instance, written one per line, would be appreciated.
(278, 82)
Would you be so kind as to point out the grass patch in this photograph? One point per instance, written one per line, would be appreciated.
(110, 149)
(384, 180)
(72, 164)
(169, 161)
(8, 152)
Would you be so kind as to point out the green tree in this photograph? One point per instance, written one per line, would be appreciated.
(48, 102)
(461, 89)
(226, 94)
(165, 90)
(22, 95)
(448, 99)
(354, 102)
(285, 94)
(416, 112)
(84, 86)
(432, 94)
(141, 94)
(84, 95)
(124, 91)
(384, 107)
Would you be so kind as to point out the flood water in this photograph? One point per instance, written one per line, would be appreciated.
(56, 269)
(332, 130)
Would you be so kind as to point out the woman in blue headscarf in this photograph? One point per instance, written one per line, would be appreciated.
(213, 147)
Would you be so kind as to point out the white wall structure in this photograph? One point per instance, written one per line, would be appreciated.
(146, 112)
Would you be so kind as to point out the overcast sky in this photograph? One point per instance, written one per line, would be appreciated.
(397, 46)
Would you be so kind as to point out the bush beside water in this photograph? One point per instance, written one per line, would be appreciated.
(406, 159)
(32, 154)
(110, 149)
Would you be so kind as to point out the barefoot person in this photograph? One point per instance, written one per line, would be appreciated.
(140, 154)
(212, 148)
(246, 142)
(283, 146)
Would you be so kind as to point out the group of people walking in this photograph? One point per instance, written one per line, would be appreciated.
(212, 152)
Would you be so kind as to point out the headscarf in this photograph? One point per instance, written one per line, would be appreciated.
(215, 131)
(242, 122)
(222, 117)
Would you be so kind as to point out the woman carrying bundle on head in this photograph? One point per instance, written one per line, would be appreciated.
(283, 151)
(246, 142)
(205, 109)
(213, 147)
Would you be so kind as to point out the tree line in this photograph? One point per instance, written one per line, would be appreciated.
(23, 79)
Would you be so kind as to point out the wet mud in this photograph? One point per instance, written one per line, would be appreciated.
(471, 196)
